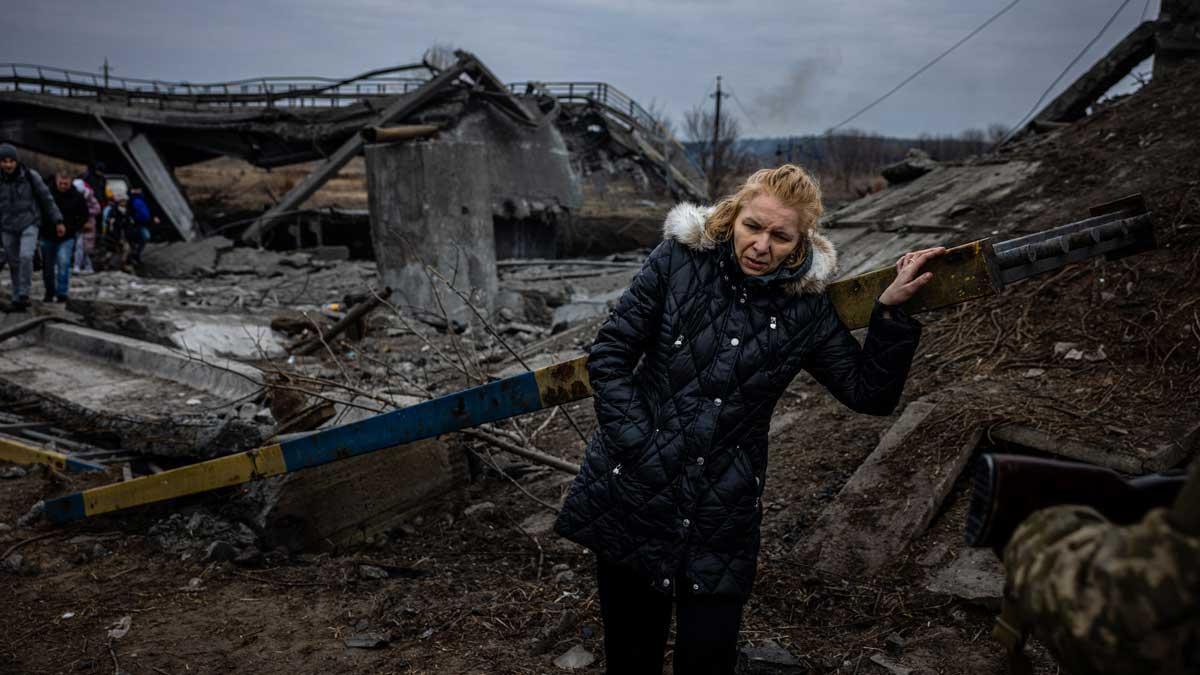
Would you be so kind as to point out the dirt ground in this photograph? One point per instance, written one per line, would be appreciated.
(479, 585)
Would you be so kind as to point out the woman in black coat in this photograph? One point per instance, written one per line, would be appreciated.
(685, 373)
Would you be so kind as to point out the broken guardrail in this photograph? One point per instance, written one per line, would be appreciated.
(974, 270)
(12, 450)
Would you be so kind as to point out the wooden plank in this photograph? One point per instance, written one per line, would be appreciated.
(863, 530)
(352, 501)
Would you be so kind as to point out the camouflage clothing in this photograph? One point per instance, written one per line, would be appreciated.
(1108, 599)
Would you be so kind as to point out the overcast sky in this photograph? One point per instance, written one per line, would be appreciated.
(794, 66)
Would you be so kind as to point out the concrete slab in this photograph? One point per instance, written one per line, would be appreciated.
(223, 378)
(928, 200)
(861, 531)
(974, 574)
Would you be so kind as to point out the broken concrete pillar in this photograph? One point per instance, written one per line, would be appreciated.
(1178, 36)
(430, 204)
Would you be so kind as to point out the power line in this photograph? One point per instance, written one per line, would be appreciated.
(749, 117)
(927, 66)
(1036, 106)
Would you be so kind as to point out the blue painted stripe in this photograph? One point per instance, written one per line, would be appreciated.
(511, 396)
(66, 509)
(81, 465)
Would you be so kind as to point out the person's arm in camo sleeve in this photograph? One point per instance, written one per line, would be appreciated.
(1105, 598)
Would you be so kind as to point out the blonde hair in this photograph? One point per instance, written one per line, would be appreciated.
(790, 184)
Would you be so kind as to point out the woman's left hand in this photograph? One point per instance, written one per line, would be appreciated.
(909, 279)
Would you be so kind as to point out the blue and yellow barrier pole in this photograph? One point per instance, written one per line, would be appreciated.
(12, 450)
(517, 395)
(963, 273)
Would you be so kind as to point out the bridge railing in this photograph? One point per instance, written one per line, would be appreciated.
(254, 92)
(617, 105)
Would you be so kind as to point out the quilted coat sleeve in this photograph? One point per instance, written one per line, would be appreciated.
(41, 193)
(868, 379)
(622, 412)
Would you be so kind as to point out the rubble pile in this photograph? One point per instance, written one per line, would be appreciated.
(461, 571)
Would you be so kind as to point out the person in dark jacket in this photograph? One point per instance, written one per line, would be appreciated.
(94, 177)
(685, 373)
(120, 230)
(143, 218)
(58, 241)
(25, 203)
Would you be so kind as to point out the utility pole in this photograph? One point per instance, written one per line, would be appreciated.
(713, 181)
(105, 72)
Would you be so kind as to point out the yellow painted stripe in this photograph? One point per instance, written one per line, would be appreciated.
(20, 453)
(563, 382)
(189, 480)
(962, 273)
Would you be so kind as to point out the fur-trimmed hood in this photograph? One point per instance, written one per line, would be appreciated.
(685, 224)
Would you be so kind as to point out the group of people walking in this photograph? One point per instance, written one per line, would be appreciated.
(66, 219)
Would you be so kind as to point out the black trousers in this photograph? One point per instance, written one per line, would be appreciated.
(637, 620)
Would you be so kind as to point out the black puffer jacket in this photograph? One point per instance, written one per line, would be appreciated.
(672, 478)
(25, 201)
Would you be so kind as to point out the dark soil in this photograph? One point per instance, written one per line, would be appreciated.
(482, 596)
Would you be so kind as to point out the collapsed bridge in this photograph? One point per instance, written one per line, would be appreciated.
(150, 127)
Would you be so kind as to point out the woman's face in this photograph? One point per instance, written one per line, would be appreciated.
(765, 233)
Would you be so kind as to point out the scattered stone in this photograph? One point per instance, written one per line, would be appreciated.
(769, 659)
(249, 557)
(582, 308)
(1034, 372)
(291, 323)
(372, 572)
(5, 527)
(193, 401)
(13, 472)
(891, 666)
(507, 314)
(575, 658)
(35, 512)
(974, 575)
(367, 640)
(220, 551)
(474, 509)
(894, 644)
(564, 577)
(326, 252)
(194, 534)
(1073, 355)
(183, 259)
(916, 163)
(959, 209)
(120, 628)
(99, 551)
(1062, 348)
(295, 260)
(13, 563)
(1097, 355)
(248, 260)
(538, 524)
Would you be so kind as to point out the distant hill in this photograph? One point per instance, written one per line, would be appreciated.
(862, 149)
